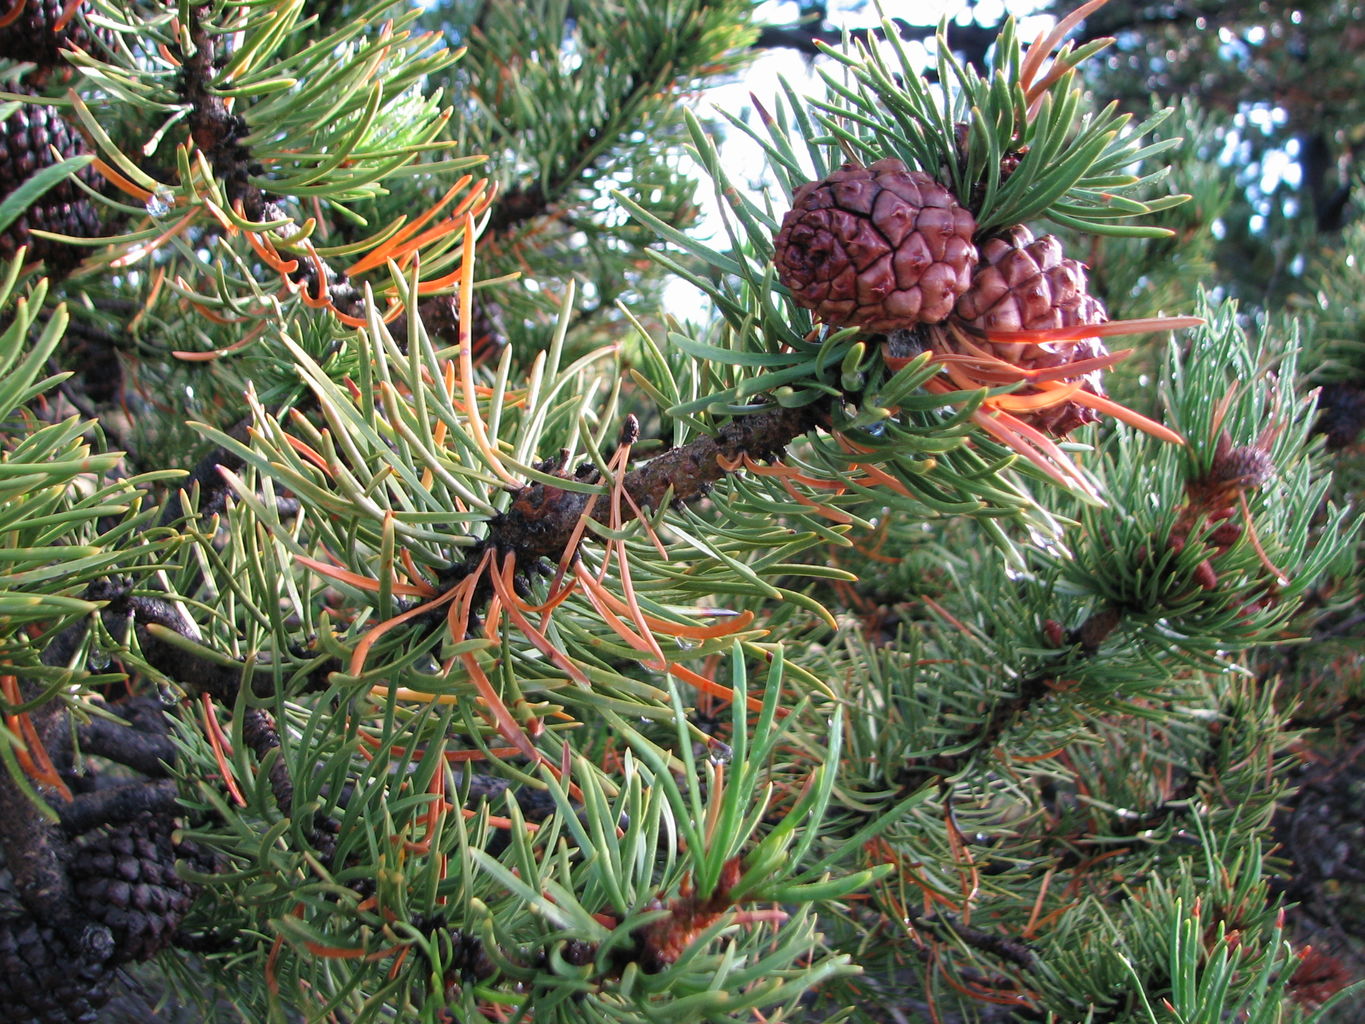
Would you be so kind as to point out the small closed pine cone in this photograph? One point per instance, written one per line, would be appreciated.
(881, 247)
(46, 978)
(50, 972)
(1028, 284)
(26, 142)
(33, 36)
(124, 877)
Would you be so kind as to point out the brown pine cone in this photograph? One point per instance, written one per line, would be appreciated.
(24, 150)
(33, 36)
(881, 247)
(1341, 409)
(1025, 284)
(1028, 284)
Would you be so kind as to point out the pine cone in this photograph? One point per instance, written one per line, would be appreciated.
(881, 247)
(124, 878)
(49, 974)
(33, 37)
(1342, 414)
(64, 208)
(1028, 284)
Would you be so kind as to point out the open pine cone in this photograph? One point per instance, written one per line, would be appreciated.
(1028, 284)
(881, 247)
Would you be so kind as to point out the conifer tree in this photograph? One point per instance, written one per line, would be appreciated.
(404, 618)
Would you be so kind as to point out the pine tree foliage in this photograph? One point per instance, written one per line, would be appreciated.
(401, 620)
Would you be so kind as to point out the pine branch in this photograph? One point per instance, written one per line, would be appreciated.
(542, 519)
(215, 129)
(119, 804)
(1011, 950)
(130, 745)
(1083, 642)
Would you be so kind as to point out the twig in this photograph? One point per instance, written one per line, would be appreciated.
(128, 745)
(118, 804)
(1085, 641)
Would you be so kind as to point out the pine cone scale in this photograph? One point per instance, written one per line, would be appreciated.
(880, 247)
(1028, 284)
(27, 139)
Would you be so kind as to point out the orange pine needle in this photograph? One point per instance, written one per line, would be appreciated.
(499, 822)
(1122, 412)
(68, 12)
(267, 252)
(362, 649)
(1034, 446)
(345, 952)
(1035, 758)
(462, 608)
(115, 178)
(35, 759)
(1280, 577)
(714, 689)
(508, 726)
(1010, 432)
(1079, 332)
(502, 587)
(213, 316)
(309, 452)
(594, 592)
(366, 583)
(12, 15)
(1047, 41)
(881, 477)
(778, 469)
(218, 353)
(989, 370)
(415, 575)
(221, 748)
(399, 960)
(618, 463)
(321, 300)
(216, 212)
(463, 756)
(380, 253)
(142, 249)
(570, 553)
(439, 284)
(670, 628)
(1045, 399)
(30, 752)
(272, 980)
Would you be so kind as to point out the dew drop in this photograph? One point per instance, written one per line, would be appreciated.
(161, 202)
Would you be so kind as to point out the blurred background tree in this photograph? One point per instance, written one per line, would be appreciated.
(451, 573)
